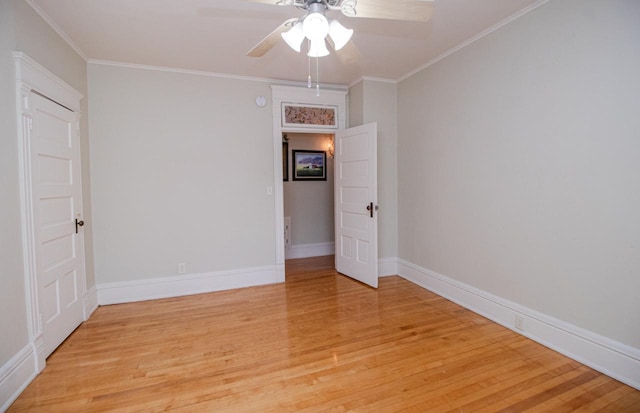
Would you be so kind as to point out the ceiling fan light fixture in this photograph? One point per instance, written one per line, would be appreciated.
(294, 37)
(318, 48)
(339, 34)
(315, 26)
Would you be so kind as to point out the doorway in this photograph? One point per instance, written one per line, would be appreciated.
(300, 110)
(291, 95)
(308, 201)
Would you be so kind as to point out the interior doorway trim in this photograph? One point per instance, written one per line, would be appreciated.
(301, 96)
(31, 76)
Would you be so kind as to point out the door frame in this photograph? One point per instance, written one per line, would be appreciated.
(31, 76)
(305, 97)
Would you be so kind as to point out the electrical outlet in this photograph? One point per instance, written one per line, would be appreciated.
(182, 268)
(519, 322)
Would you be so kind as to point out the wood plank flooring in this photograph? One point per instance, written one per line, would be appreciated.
(319, 342)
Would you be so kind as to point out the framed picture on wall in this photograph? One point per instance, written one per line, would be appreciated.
(309, 165)
(285, 161)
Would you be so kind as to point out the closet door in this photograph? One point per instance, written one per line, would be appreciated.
(56, 194)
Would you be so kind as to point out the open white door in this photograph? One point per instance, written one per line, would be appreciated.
(56, 197)
(356, 197)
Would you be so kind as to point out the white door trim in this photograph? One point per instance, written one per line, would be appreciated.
(304, 96)
(32, 76)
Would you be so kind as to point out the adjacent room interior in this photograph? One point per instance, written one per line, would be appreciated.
(148, 172)
(308, 202)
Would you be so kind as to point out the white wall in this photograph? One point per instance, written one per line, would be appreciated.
(13, 318)
(356, 104)
(376, 101)
(180, 167)
(518, 165)
(309, 203)
(380, 105)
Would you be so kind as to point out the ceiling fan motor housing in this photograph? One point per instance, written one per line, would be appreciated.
(316, 6)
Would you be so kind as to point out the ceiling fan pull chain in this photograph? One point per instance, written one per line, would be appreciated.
(309, 84)
(317, 76)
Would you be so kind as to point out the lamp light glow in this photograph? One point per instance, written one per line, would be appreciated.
(330, 148)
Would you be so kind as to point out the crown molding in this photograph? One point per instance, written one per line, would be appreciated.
(474, 39)
(212, 74)
(355, 82)
(431, 62)
(57, 29)
(373, 79)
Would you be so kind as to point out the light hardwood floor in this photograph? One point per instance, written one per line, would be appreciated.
(319, 342)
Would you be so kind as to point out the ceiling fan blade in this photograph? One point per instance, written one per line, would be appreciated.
(410, 10)
(271, 40)
(274, 2)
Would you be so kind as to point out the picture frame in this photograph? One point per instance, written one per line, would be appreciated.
(309, 165)
(285, 161)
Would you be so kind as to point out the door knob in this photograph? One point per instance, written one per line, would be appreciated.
(79, 223)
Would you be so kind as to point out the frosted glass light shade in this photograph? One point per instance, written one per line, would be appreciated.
(294, 37)
(339, 34)
(318, 48)
(315, 26)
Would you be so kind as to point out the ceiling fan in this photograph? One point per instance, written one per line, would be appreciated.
(317, 28)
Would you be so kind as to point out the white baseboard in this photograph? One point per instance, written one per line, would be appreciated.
(280, 273)
(175, 286)
(387, 266)
(90, 302)
(310, 250)
(15, 376)
(617, 360)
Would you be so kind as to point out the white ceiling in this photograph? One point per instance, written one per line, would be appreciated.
(215, 35)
